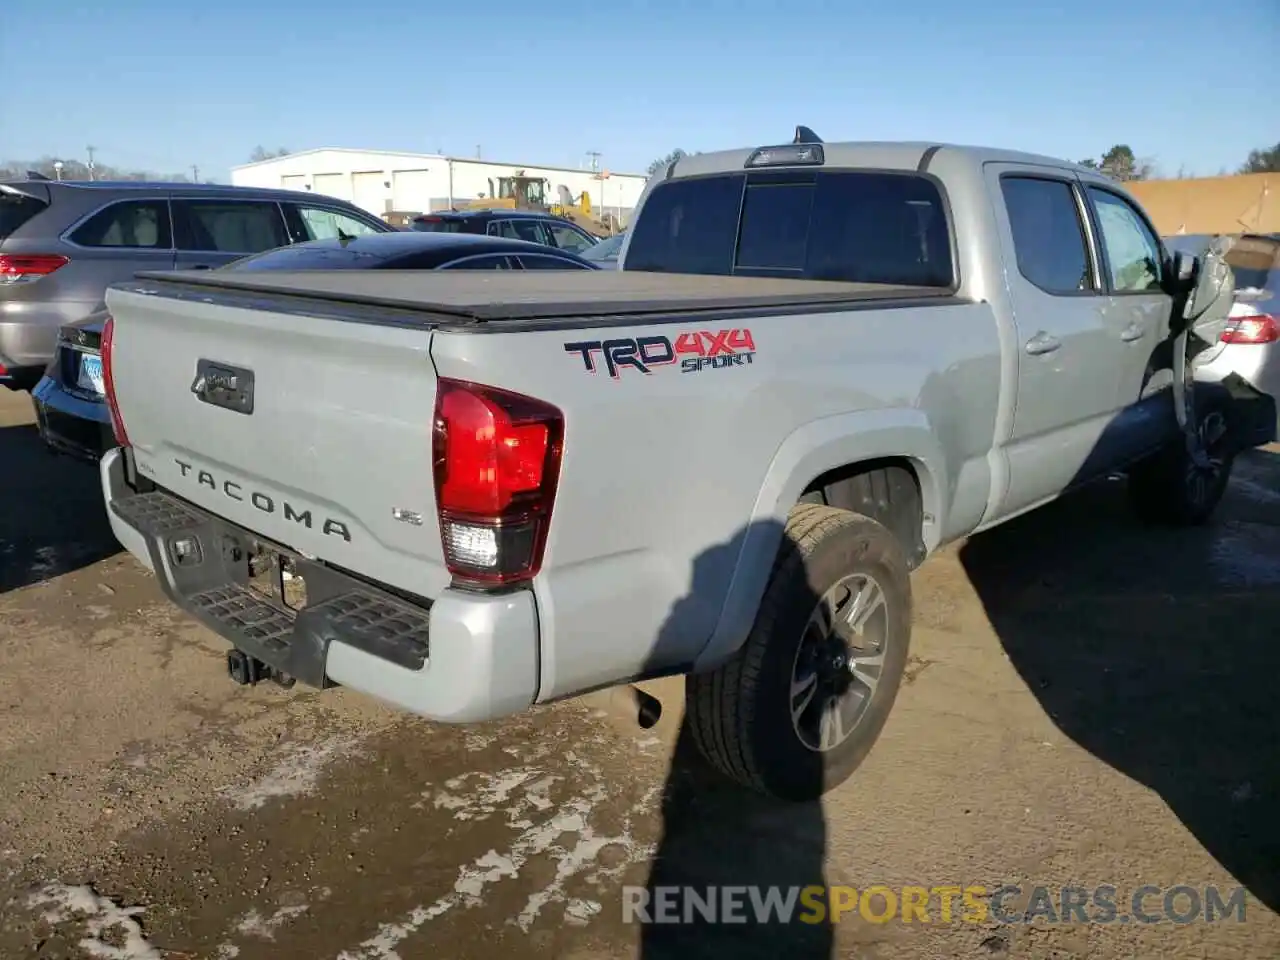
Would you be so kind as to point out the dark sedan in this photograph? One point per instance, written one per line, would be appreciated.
(545, 228)
(70, 409)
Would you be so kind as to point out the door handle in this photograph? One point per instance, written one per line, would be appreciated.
(1134, 331)
(200, 266)
(1042, 343)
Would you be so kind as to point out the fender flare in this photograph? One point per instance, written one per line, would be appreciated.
(807, 453)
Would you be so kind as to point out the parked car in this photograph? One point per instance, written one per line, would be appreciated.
(70, 411)
(62, 243)
(1249, 347)
(515, 224)
(820, 363)
(605, 253)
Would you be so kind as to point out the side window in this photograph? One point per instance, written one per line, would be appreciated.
(530, 231)
(229, 226)
(491, 262)
(1132, 252)
(133, 223)
(569, 238)
(550, 263)
(1048, 237)
(324, 223)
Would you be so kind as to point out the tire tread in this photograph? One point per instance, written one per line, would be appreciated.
(719, 702)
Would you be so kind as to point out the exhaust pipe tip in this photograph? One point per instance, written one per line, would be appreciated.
(636, 706)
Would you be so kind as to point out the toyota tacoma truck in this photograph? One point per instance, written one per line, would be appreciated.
(467, 493)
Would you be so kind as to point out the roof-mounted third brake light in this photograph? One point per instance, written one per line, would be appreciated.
(788, 155)
(804, 151)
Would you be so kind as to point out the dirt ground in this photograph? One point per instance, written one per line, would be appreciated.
(1089, 702)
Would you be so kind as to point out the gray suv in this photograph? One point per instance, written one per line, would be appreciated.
(63, 243)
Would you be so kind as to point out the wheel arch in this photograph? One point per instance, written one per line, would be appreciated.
(829, 456)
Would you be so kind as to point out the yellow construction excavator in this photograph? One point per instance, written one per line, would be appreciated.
(521, 192)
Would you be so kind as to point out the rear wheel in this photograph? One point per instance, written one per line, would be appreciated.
(799, 707)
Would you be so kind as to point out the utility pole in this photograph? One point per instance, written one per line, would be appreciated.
(595, 168)
(91, 150)
(477, 151)
(195, 174)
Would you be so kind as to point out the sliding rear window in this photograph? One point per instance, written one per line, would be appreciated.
(852, 226)
(15, 210)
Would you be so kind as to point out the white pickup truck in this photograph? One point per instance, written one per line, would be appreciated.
(468, 493)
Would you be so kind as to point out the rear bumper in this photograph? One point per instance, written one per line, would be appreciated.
(1258, 365)
(462, 658)
(29, 329)
(28, 342)
(71, 425)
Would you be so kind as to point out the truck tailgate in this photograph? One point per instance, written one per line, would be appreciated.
(329, 454)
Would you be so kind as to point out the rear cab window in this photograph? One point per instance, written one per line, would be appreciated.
(843, 225)
(16, 209)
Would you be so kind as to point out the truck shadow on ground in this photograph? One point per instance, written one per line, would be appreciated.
(1158, 651)
(52, 518)
(718, 836)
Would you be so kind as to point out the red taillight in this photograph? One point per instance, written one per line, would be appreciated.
(496, 459)
(1258, 328)
(107, 347)
(26, 267)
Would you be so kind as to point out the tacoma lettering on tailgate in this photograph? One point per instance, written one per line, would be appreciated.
(695, 350)
(264, 502)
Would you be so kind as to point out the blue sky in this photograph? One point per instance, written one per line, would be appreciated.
(164, 85)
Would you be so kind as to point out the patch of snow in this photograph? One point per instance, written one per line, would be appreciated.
(577, 855)
(296, 774)
(492, 792)
(82, 904)
(579, 912)
(479, 741)
(254, 925)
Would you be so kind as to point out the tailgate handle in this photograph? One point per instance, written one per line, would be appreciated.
(222, 385)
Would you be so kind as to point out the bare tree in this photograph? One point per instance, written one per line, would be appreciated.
(262, 153)
(661, 162)
(79, 170)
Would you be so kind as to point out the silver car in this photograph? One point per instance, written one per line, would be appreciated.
(62, 243)
(1250, 345)
(605, 253)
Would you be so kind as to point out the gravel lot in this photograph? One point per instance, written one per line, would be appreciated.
(1089, 702)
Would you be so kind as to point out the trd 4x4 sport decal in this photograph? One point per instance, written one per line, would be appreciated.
(695, 350)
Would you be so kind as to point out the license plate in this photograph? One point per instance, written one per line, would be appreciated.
(90, 373)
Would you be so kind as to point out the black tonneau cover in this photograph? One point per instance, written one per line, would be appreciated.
(546, 295)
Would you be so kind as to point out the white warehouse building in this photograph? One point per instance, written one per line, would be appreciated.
(381, 182)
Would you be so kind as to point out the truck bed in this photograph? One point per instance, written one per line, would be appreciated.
(476, 296)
